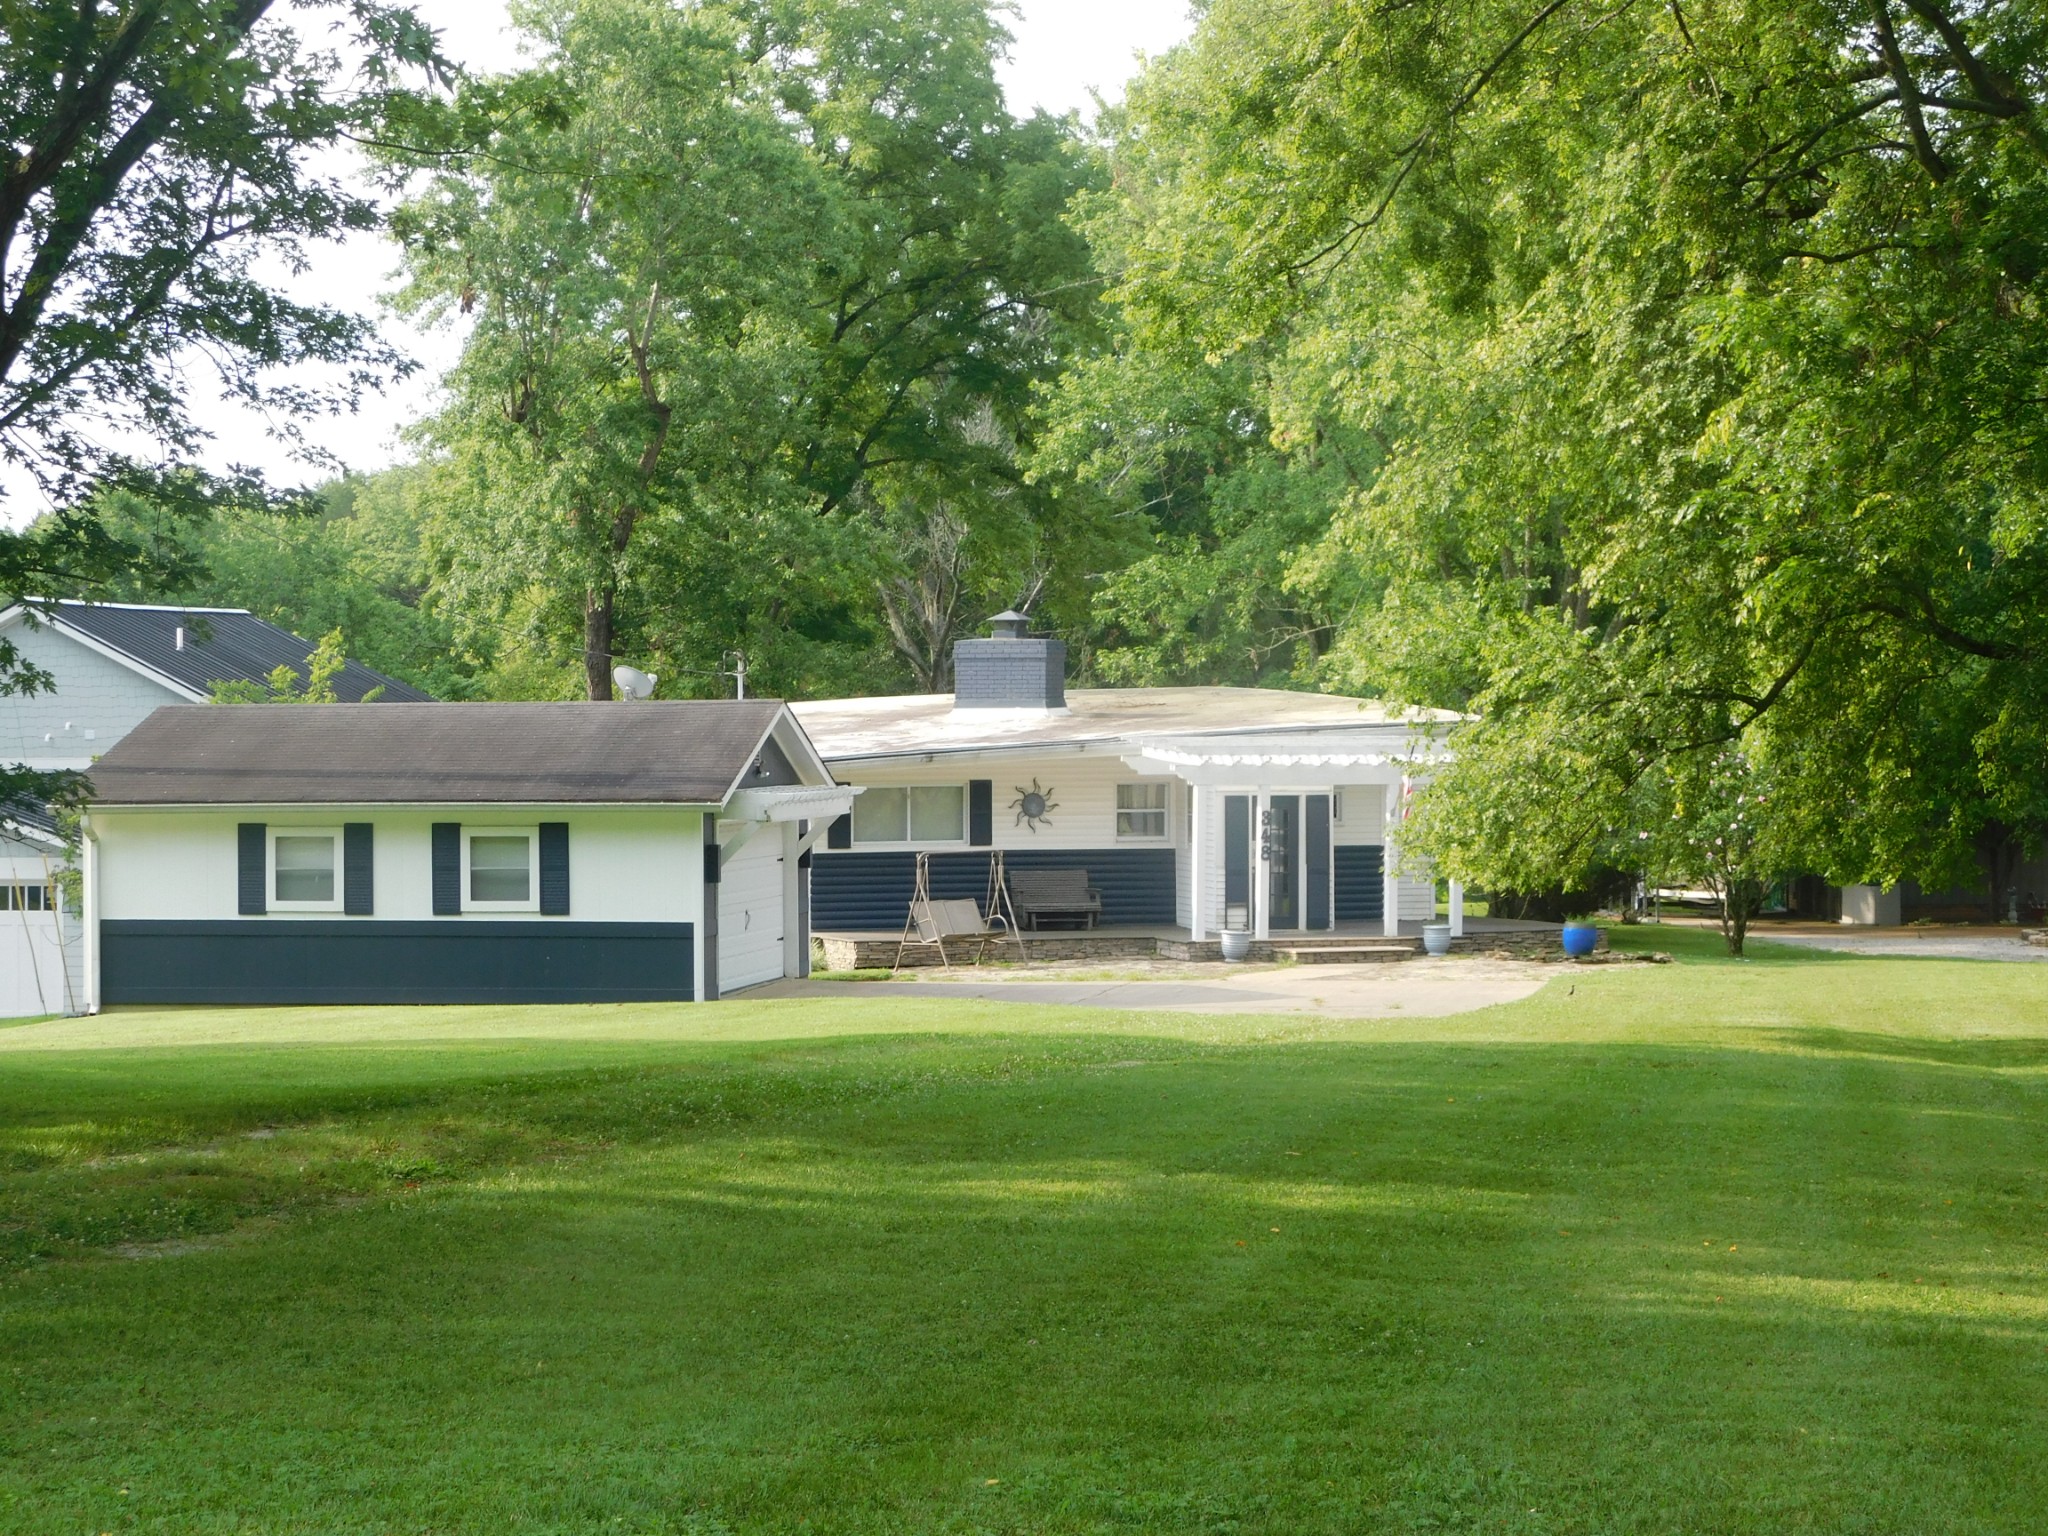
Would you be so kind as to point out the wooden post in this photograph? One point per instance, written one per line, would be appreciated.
(1262, 871)
(1195, 864)
(1390, 883)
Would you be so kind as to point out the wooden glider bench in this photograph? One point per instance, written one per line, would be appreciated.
(1063, 895)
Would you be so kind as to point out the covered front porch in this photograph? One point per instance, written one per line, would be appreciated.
(1294, 838)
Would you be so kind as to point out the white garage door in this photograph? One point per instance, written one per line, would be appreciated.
(750, 913)
(32, 979)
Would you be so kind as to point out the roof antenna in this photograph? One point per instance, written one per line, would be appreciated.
(633, 683)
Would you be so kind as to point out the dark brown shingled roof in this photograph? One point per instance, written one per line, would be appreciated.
(685, 752)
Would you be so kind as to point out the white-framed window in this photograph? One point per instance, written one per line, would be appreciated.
(305, 869)
(28, 898)
(938, 813)
(918, 813)
(1141, 811)
(498, 869)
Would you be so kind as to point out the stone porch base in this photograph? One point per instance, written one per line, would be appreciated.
(867, 951)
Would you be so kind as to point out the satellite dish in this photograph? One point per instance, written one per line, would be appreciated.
(633, 683)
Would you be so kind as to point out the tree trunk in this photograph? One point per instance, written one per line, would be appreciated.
(597, 644)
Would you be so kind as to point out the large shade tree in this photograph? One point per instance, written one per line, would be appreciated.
(760, 296)
(154, 151)
(1706, 347)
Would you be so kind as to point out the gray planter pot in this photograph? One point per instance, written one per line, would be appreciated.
(1436, 938)
(1237, 944)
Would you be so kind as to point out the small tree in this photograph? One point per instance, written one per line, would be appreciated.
(323, 665)
(1722, 827)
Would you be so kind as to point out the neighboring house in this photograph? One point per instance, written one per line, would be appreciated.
(39, 952)
(422, 853)
(1189, 808)
(112, 663)
(115, 662)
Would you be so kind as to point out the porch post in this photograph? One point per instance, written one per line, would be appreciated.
(1457, 909)
(1390, 883)
(1262, 870)
(1195, 864)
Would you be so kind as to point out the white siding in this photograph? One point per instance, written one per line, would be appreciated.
(1362, 823)
(1418, 897)
(1083, 789)
(625, 865)
(93, 693)
(41, 953)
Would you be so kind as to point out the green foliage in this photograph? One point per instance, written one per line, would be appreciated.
(1703, 348)
(760, 292)
(285, 686)
(153, 150)
(154, 153)
(350, 558)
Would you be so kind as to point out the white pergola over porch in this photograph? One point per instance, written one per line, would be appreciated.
(1386, 759)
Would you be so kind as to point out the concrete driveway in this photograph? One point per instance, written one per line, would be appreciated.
(1935, 944)
(1412, 989)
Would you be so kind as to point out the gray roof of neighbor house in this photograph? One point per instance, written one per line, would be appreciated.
(28, 813)
(927, 723)
(220, 645)
(690, 752)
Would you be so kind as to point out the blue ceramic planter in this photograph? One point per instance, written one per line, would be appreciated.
(1579, 939)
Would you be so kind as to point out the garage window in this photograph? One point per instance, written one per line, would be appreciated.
(497, 873)
(27, 898)
(305, 869)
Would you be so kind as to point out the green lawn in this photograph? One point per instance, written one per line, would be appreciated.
(1702, 1247)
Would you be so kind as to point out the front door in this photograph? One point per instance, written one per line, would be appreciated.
(1283, 849)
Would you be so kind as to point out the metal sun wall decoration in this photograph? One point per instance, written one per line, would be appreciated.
(1033, 805)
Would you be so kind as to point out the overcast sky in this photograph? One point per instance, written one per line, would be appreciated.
(1064, 49)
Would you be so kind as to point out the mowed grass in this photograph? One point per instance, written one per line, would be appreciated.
(1707, 1247)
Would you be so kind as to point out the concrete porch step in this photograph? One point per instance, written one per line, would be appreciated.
(1348, 954)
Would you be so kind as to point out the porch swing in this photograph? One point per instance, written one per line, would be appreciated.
(931, 922)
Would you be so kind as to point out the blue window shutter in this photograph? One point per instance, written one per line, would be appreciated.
(554, 868)
(252, 869)
(358, 869)
(1317, 861)
(447, 868)
(1237, 852)
(840, 833)
(981, 812)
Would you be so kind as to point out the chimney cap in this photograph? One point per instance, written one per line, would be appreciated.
(1009, 625)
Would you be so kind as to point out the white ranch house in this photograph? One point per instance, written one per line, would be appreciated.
(1190, 809)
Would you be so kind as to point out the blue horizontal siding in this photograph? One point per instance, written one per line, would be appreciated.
(268, 961)
(871, 891)
(1361, 897)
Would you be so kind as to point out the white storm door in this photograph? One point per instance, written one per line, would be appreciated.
(750, 913)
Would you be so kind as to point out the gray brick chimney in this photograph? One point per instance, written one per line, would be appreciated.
(1010, 669)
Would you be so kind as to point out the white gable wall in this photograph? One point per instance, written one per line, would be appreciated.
(625, 865)
(94, 694)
